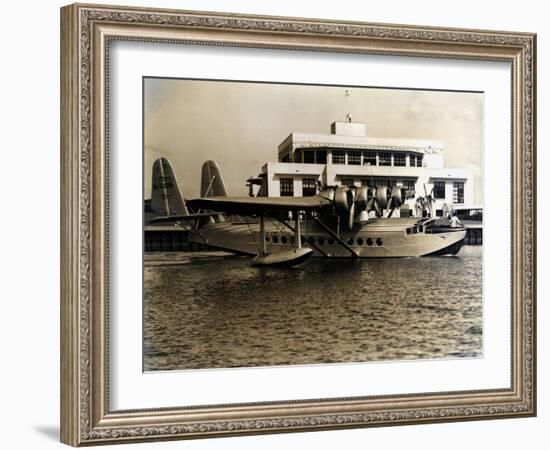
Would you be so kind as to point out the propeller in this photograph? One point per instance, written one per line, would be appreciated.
(351, 198)
(351, 216)
(352, 201)
(395, 200)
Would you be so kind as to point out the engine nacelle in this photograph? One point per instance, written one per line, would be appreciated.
(396, 197)
(343, 198)
(362, 198)
(328, 193)
(382, 196)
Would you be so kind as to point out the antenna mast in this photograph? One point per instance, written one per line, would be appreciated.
(348, 114)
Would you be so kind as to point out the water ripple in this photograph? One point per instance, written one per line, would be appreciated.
(211, 310)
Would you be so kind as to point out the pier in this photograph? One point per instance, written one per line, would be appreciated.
(474, 233)
(165, 239)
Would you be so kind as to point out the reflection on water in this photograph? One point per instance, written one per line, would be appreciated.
(212, 310)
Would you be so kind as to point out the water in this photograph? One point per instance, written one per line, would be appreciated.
(212, 310)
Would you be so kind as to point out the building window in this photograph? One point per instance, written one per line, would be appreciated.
(369, 158)
(408, 190)
(321, 157)
(338, 157)
(287, 187)
(309, 187)
(399, 159)
(350, 182)
(384, 159)
(365, 182)
(458, 192)
(309, 156)
(391, 182)
(354, 158)
(409, 185)
(439, 189)
(415, 160)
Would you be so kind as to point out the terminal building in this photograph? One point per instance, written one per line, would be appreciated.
(348, 157)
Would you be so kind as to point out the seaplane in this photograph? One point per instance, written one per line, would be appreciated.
(337, 222)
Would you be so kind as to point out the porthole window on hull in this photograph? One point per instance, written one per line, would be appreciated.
(369, 241)
(283, 239)
(379, 241)
(275, 239)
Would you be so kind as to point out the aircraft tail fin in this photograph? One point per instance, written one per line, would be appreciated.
(166, 198)
(212, 184)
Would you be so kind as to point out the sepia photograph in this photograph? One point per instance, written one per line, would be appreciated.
(291, 224)
(276, 224)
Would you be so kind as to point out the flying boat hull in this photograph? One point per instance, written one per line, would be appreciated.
(378, 238)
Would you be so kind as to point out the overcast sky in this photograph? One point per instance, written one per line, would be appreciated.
(240, 125)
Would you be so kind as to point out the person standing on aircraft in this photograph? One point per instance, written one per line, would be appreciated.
(455, 222)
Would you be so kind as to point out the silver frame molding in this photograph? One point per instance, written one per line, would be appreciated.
(86, 32)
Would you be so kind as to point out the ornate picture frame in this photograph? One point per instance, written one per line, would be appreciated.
(87, 31)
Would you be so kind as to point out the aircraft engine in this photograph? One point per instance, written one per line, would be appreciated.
(382, 196)
(372, 193)
(396, 197)
(343, 198)
(362, 198)
(329, 193)
(344, 201)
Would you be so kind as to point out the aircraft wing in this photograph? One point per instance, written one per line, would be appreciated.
(182, 218)
(257, 205)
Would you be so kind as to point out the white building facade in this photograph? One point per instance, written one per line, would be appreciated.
(347, 157)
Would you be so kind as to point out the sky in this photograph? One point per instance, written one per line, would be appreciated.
(241, 124)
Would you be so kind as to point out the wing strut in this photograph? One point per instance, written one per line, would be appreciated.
(261, 247)
(336, 237)
(297, 231)
(296, 238)
(283, 257)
